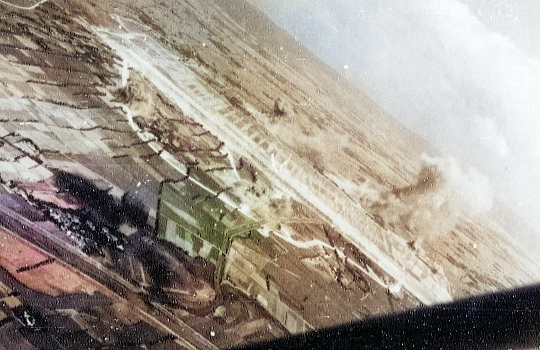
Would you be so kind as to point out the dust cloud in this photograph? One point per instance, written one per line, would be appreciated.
(477, 63)
(308, 139)
(431, 205)
(138, 95)
(282, 108)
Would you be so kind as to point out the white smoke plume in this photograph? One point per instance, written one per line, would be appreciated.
(432, 205)
(475, 62)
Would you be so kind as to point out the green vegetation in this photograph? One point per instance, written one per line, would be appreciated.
(196, 220)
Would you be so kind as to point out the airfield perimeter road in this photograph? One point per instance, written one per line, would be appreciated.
(288, 171)
(185, 335)
(23, 4)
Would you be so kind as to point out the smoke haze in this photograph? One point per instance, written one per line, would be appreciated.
(464, 74)
(432, 205)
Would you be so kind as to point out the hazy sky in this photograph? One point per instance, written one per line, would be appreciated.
(464, 74)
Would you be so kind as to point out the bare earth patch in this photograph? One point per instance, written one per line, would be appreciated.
(53, 278)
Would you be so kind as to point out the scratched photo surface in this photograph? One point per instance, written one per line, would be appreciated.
(205, 174)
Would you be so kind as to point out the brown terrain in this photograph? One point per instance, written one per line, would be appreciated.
(136, 96)
(52, 278)
(331, 125)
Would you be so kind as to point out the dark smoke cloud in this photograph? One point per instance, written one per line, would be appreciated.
(465, 74)
(431, 205)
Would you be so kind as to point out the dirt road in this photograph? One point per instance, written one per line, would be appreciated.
(289, 173)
